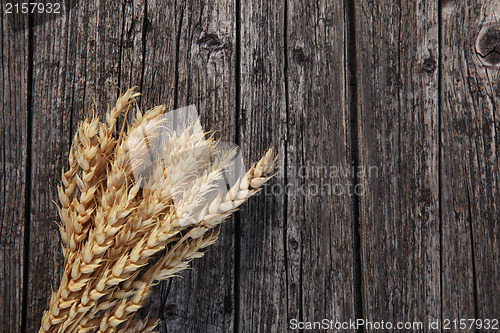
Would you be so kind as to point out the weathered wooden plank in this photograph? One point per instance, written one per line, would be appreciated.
(262, 288)
(470, 167)
(162, 30)
(296, 250)
(319, 239)
(190, 60)
(75, 65)
(397, 77)
(13, 163)
(131, 47)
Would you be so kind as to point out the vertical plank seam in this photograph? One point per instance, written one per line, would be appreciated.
(237, 215)
(473, 257)
(468, 174)
(354, 145)
(144, 35)
(177, 54)
(3, 152)
(85, 61)
(440, 159)
(2, 71)
(121, 53)
(27, 194)
(72, 106)
(285, 155)
(301, 260)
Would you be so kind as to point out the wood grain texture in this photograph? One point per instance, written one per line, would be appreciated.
(420, 130)
(397, 50)
(13, 163)
(296, 244)
(262, 274)
(319, 240)
(470, 169)
(131, 48)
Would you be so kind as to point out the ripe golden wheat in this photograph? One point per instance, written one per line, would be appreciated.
(125, 225)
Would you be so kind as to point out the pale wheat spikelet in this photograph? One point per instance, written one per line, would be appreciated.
(70, 299)
(168, 266)
(91, 148)
(245, 187)
(140, 326)
(75, 211)
(167, 179)
(123, 103)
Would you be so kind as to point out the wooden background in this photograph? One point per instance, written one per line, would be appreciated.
(401, 87)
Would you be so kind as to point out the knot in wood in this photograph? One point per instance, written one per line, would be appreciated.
(429, 65)
(300, 57)
(488, 44)
(170, 310)
(293, 243)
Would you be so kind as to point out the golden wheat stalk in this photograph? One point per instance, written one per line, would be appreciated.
(128, 223)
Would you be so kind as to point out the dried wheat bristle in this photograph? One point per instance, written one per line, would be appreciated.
(127, 223)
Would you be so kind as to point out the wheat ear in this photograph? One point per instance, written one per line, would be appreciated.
(127, 224)
(87, 155)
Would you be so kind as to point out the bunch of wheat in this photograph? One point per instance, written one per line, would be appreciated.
(127, 224)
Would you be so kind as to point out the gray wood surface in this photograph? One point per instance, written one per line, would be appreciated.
(318, 235)
(397, 72)
(398, 92)
(262, 98)
(470, 102)
(13, 166)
